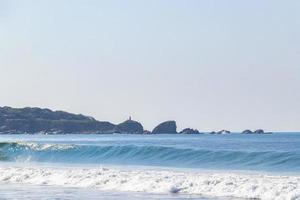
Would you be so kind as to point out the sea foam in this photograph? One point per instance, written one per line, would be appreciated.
(209, 184)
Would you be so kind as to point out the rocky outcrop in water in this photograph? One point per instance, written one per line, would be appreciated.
(258, 131)
(223, 132)
(247, 132)
(189, 131)
(168, 127)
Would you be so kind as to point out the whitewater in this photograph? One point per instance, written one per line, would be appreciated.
(207, 184)
(204, 166)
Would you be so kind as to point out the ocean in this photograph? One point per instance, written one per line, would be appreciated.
(229, 166)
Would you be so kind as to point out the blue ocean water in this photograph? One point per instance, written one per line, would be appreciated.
(278, 152)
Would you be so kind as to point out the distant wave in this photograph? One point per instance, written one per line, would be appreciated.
(250, 186)
(148, 155)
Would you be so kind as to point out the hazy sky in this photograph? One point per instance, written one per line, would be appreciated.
(207, 64)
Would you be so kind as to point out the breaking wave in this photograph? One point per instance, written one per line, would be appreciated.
(149, 155)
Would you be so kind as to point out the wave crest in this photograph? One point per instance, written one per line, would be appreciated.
(148, 155)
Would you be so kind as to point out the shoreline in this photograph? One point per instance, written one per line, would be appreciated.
(33, 192)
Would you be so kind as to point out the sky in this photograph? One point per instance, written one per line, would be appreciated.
(209, 65)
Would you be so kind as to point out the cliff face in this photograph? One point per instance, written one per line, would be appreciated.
(33, 120)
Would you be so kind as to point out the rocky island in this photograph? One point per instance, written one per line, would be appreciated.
(169, 127)
(258, 131)
(45, 121)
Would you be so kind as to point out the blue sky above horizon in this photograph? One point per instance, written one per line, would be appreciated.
(206, 64)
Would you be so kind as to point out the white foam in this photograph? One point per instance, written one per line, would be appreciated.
(212, 184)
(40, 147)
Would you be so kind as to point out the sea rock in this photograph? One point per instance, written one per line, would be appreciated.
(129, 127)
(189, 131)
(223, 132)
(247, 132)
(168, 127)
(259, 131)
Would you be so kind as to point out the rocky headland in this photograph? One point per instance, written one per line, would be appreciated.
(45, 121)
